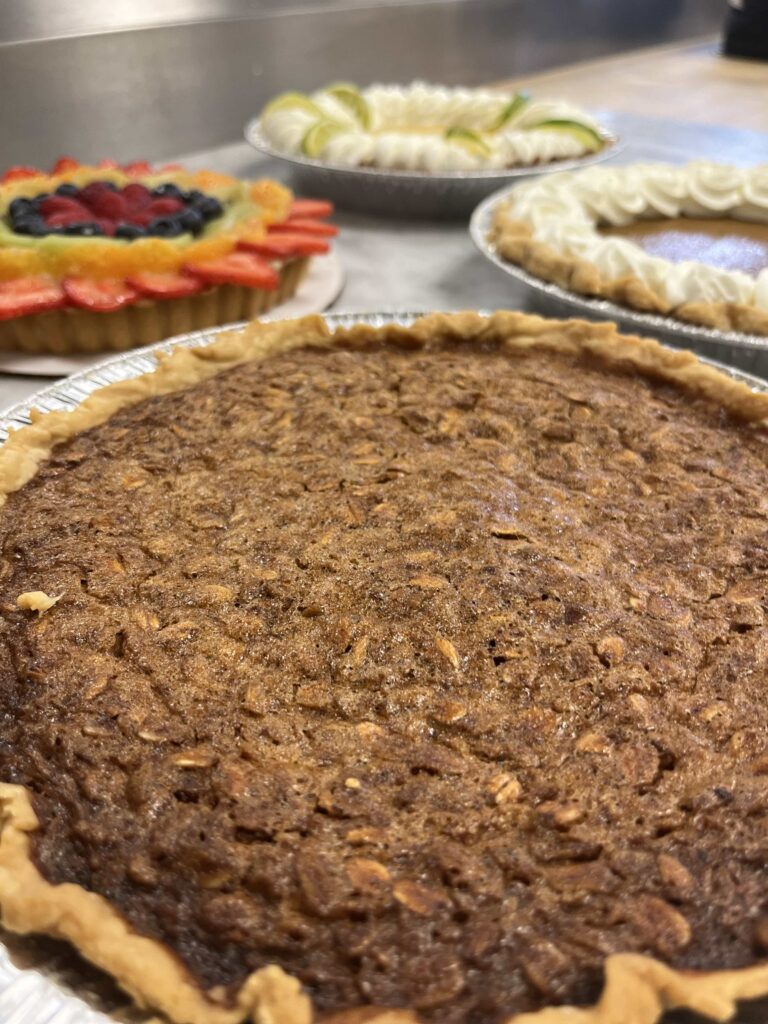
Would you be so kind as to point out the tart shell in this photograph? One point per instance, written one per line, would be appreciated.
(638, 989)
(67, 331)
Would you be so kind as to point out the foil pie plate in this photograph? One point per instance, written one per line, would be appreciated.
(33, 996)
(748, 352)
(449, 194)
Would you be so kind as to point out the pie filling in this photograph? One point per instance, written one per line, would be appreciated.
(728, 244)
(434, 677)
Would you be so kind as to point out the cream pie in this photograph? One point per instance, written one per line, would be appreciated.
(689, 242)
(430, 128)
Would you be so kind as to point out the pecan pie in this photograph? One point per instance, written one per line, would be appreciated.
(394, 675)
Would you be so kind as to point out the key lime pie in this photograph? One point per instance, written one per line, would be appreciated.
(424, 127)
(104, 257)
(688, 242)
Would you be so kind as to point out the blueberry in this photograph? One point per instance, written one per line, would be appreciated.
(129, 231)
(84, 229)
(194, 197)
(19, 207)
(191, 220)
(168, 191)
(108, 184)
(209, 207)
(165, 227)
(31, 224)
(67, 190)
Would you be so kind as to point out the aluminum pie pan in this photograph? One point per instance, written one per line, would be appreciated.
(34, 996)
(747, 351)
(448, 194)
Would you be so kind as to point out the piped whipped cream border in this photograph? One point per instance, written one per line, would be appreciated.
(565, 212)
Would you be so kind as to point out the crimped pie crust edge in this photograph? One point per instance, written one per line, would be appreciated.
(638, 989)
(514, 241)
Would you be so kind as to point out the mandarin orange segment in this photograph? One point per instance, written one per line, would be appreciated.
(16, 263)
(274, 199)
(97, 259)
(209, 248)
(213, 179)
(155, 254)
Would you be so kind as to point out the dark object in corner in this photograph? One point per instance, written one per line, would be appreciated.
(746, 29)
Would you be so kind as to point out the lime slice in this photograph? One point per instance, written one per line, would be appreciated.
(318, 136)
(587, 136)
(291, 101)
(354, 100)
(515, 105)
(470, 140)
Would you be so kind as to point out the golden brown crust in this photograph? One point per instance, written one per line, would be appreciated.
(637, 989)
(514, 242)
(67, 331)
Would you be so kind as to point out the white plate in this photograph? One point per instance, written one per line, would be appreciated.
(747, 351)
(319, 288)
(410, 193)
(29, 997)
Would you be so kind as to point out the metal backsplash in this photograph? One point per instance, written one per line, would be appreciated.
(160, 89)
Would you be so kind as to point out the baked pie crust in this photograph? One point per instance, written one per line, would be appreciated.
(552, 229)
(638, 988)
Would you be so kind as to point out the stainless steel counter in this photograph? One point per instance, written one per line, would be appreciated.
(407, 265)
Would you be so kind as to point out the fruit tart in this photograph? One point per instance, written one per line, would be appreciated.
(109, 257)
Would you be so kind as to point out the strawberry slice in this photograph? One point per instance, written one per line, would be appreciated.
(64, 164)
(108, 165)
(137, 167)
(18, 173)
(162, 207)
(63, 204)
(104, 202)
(305, 226)
(143, 218)
(171, 167)
(30, 295)
(65, 217)
(165, 286)
(310, 208)
(101, 296)
(137, 197)
(285, 244)
(237, 268)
